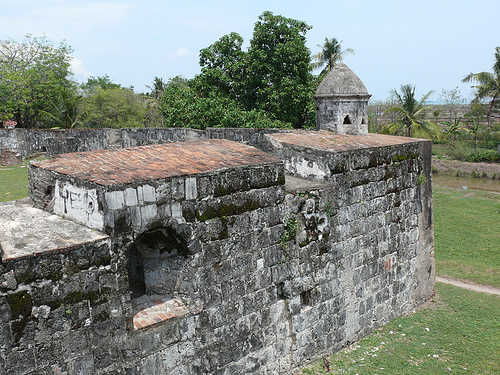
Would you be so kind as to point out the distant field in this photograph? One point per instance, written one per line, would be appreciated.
(446, 151)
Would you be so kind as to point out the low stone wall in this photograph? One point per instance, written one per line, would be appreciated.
(27, 142)
(59, 317)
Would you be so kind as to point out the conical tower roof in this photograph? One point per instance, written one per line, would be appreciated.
(341, 81)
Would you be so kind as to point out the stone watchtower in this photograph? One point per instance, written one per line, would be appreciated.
(342, 102)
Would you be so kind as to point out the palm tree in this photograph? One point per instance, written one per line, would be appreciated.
(157, 91)
(64, 112)
(158, 88)
(410, 114)
(453, 128)
(488, 83)
(331, 53)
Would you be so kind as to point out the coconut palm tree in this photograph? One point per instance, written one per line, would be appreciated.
(158, 88)
(488, 84)
(331, 53)
(156, 92)
(410, 115)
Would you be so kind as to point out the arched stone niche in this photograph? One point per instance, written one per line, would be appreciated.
(160, 276)
(156, 264)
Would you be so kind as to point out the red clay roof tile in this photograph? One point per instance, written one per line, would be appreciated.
(110, 167)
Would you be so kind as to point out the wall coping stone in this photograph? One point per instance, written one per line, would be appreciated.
(29, 231)
(326, 140)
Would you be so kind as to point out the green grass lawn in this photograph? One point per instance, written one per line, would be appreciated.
(13, 182)
(458, 334)
(467, 235)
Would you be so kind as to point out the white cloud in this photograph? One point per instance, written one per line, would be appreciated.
(79, 69)
(181, 52)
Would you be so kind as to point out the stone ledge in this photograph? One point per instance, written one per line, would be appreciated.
(151, 310)
(28, 231)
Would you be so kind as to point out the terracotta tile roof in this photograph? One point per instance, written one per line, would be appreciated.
(329, 141)
(110, 167)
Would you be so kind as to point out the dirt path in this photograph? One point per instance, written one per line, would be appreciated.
(469, 285)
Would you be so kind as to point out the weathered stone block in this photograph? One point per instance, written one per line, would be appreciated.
(115, 200)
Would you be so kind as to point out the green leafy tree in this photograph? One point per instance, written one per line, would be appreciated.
(183, 106)
(34, 74)
(223, 66)
(270, 84)
(330, 54)
(102, 82)
(410, 120)
(488, 84)
(279, 78)
(113, 108)
(7, 104)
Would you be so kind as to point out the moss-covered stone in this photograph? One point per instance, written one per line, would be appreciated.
(79, 296)
(20, 304)
(402, 157)
(223, 210)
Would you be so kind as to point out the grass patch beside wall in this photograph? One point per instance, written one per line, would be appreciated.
(456, 334)
(13, 182)
(467, 235)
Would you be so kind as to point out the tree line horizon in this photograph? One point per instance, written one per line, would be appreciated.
(268, 85)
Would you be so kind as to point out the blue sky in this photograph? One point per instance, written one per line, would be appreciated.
(432, 44)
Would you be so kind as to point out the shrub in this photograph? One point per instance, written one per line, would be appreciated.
(485, 156)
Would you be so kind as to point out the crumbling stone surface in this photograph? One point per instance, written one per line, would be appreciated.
(8, 157)
(274, 271)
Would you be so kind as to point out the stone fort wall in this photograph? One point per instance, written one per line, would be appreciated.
(27, 142)
(268, 266)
